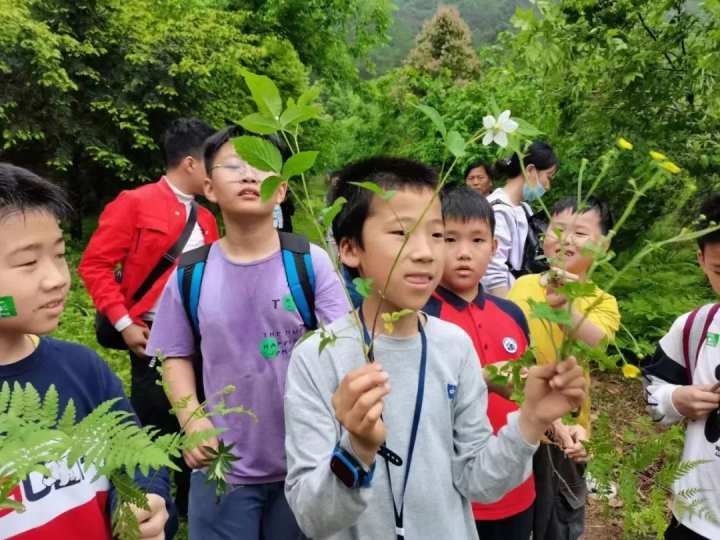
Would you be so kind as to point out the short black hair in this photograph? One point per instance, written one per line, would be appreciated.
(479, 163)
(537, 153)
(24, 191)
(218, 139)
(596, 204)
(184, 137)
(389, 173)
(709, 216)
(461, 203)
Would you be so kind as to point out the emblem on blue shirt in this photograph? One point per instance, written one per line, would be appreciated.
(452, 390)
(510, 345)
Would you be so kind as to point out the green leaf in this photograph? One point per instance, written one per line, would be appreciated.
(543, 312)
(259, 153)
(296, 114)
(456, 144)
(377, 190)
(328, 214)
(363, 286)
(260, 123)
(299, 163)
(269, 187)
(573, 290)
(310, 95)
(435, 117)
(327, 339)
(264, 93)
(526, 129)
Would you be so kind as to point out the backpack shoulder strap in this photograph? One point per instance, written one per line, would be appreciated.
(695, 331)
(189, 275)
(300, 275)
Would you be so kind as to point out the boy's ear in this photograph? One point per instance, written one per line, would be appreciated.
(701, 258)
(349, 253)
(493, 246)
(209, 191)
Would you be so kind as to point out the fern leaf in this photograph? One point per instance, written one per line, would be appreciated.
(67, 420)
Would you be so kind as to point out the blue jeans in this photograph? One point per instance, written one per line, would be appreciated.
(247, 512)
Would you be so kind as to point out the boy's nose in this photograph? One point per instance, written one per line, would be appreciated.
(54, 277)
(420, 248)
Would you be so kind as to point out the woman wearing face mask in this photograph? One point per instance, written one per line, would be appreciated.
(512, 212)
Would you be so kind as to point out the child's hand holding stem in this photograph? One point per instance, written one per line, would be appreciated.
(358, 402)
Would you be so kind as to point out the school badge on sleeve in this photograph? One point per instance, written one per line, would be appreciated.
(510, 345)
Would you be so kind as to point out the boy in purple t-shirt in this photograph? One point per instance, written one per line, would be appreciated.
(248, 325)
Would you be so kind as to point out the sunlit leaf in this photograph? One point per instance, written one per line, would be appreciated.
(363, 286)
(269, 187)
(260, 123)
(259, 153)
(543, 312)
(299, 163)
(296, 114)
(264, 93)
(310, 95)
(372, 186)
(328, 214)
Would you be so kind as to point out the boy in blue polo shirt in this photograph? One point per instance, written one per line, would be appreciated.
(398, 447)
(498, 330)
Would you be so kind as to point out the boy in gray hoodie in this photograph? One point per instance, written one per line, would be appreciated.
(398, 447)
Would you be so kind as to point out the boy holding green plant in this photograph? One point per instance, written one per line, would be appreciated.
(591, 318)
(70, 501)
(681, 382)
(247, 324)
(423, 398)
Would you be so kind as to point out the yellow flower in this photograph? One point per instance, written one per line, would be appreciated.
(624, 144)
(630, 371)
(670, 167)
(657, 156)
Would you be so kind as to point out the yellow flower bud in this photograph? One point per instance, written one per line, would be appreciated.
(630, 371)
(670, 167)
(624, 144)
(657, 156)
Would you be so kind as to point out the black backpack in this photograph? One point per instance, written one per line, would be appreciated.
(533, 261)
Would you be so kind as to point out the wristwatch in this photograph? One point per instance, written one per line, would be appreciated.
(349, 470)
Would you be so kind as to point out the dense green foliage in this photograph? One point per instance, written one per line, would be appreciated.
(584, 72)
(88, 87)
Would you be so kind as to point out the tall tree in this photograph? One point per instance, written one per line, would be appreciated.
(445, 44)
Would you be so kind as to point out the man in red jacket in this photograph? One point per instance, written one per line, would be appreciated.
(134, 232)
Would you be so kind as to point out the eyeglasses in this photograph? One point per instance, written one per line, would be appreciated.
(237, 170)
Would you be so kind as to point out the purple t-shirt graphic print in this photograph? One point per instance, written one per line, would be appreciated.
(249, 325)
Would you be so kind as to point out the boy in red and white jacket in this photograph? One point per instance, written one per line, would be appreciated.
(134, 232)
(498, 330)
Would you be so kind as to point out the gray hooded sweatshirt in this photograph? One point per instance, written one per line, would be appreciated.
(456, 459)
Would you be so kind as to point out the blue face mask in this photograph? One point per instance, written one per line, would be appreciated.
(533, 193)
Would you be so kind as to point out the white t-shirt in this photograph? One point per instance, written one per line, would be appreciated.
(511, 230)
(702, 438)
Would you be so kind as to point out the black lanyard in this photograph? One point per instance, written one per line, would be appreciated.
(399, 529)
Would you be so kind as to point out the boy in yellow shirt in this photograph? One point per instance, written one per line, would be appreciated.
(560, 502)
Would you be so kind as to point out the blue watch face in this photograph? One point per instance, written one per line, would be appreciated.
(344, 471)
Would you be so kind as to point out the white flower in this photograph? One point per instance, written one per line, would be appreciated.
(498, 130)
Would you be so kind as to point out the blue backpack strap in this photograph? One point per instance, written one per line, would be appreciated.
(190, 275)
(300, 275)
